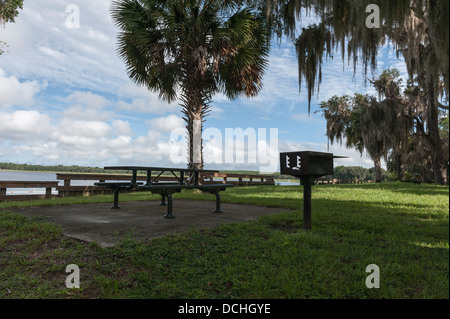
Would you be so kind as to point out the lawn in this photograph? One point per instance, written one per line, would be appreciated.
(402, 228)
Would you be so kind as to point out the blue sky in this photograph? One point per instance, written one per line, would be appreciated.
(65, 98)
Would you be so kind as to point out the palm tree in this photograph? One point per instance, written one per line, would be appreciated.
(190, 50)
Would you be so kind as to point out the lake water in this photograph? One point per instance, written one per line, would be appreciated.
(282, 183)
(48, 176)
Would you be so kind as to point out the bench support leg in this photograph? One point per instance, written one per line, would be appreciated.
(163, 200)
(169, 206)
(166, 193)
(116, 200)
(217, 210)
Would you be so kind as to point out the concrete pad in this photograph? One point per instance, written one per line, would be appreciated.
(141, 219)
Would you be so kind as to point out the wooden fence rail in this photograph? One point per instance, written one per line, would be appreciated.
(68, 190)
(5, 185)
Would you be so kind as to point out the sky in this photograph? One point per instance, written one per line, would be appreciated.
(65, 98)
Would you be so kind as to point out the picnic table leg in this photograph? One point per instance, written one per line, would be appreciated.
(116, 199)
(217, 210)
(134, 178)
(169, 206)
(149, 177)
(196, 178)
(181, 178)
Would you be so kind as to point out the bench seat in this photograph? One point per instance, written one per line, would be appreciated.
(214, 189)
(163, 186)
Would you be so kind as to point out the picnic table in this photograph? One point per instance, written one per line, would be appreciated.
(165, 189)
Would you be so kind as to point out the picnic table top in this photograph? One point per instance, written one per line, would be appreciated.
(158, 169)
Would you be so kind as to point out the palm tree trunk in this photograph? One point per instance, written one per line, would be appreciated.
(377, 169)
(195, 142)
(193, 109)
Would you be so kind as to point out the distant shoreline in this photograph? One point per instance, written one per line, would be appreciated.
(31, 171)
(26, 171)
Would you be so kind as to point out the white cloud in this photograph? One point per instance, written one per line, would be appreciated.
(86, 106)
(26, 126)
(88, 99)
(138, 99)
(78, 129)
(122, 128)
(149, 105)
(84, 57)
(53, 54)
(217, 112)
(166, 124)
(101, 143)
(44, 152)
(304, 117)
(13, 92)
(78, 112)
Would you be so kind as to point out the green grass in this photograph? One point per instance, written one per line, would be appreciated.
(402, 228)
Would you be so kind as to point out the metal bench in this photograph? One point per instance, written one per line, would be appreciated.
(214, 189)
(165, 190)
(117, 186)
